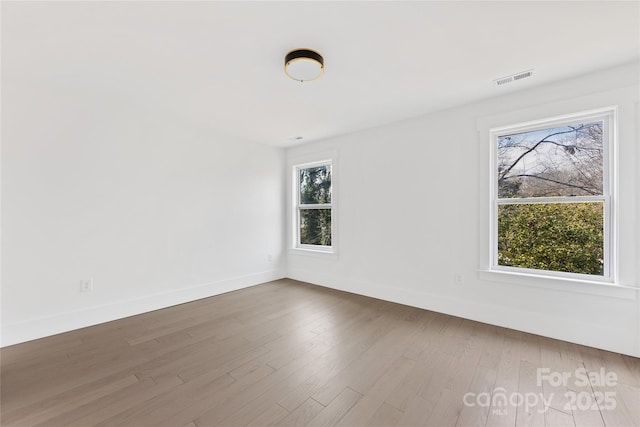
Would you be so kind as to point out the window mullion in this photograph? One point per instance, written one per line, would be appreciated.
(322, 206)
(548, 200)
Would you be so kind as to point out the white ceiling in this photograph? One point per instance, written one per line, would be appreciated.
(220, 64)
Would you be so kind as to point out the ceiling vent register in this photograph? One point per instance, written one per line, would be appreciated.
(514, 77)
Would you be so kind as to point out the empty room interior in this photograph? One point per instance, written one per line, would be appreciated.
(346, 213)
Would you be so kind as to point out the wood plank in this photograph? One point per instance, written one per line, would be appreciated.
(108, 406)
(301, 416)
(503, 414)
(531, 413)
(476, 412)
(374, 398)
(336, 409)
(385, 416)
(417, 413)
(270, 417)
(555, 418)
(448, 409)
(52, 408)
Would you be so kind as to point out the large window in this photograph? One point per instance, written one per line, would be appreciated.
(314, 206)
(551, 196)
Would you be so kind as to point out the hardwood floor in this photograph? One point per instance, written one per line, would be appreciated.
(290, 354)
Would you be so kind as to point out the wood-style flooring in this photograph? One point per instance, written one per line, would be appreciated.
(287, 353)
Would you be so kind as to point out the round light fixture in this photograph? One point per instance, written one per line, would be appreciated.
(304, 65)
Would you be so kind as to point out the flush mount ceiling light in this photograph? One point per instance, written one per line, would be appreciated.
(304, 65)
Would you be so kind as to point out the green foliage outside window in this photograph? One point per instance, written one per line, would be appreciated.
(315, 227)
(315, 189)
(555, 237)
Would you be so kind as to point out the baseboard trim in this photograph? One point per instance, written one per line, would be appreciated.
(19, 332)
(591, 334)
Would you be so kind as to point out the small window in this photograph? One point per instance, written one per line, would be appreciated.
(552, 197)
(314, 206)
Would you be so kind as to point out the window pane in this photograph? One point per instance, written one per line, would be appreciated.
(556, 237)
(315, 185)
(561, 161)
(315, 227)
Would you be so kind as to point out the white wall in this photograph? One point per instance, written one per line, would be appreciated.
(156, 211)
(411, 211)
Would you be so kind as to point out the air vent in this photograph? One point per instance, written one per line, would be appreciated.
(514, 77)
(523, 75)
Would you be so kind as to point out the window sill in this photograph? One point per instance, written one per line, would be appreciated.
(561, 284)
(323, 253)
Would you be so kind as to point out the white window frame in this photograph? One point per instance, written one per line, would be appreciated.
(608, 116)
(298, 207)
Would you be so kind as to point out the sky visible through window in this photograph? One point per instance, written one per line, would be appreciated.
(559, 161)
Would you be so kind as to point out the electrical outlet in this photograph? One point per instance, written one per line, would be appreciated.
(86, 285)
(270, 258)
(459, 279)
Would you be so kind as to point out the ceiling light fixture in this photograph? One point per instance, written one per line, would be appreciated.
(304, 65)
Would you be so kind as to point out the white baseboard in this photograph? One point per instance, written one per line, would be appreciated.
(547, 325)
(588, 334)
(15, 333)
